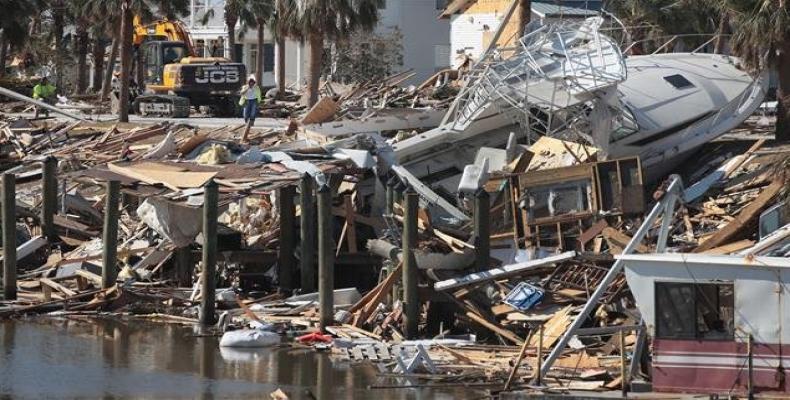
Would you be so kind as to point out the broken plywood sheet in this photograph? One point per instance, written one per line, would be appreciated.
(580, 360)
(173, 177)
(553, 329)
(554, 153)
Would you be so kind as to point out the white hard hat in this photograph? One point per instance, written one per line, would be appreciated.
(251, 78)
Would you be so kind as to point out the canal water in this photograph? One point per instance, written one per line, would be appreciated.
(75, 358)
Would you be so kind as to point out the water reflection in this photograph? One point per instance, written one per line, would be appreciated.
(116, 359)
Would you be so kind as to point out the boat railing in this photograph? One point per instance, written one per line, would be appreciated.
(666, 40)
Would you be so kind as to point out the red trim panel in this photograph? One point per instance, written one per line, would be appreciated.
(718, 366)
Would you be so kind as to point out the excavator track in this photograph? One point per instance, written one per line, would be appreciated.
(158, 105)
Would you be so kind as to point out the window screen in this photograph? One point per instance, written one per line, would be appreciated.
(695, 311)
(678, 81)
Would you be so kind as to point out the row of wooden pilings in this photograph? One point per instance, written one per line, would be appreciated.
(317, 245)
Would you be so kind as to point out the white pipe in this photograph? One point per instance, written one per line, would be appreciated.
(14, 95)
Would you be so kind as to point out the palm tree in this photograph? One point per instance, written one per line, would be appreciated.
(319, 20)
(257, 13)
(125, 10)
(76, 9)
(762, 40)
(58, 8)
(279, 31)
(13, 25)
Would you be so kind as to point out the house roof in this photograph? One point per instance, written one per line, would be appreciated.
(554, 10)
(550, 8)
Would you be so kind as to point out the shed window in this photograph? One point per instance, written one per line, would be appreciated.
(695, 311)
(678, 81)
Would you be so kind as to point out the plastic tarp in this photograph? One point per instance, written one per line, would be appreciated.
(177, 223)
(249, 338)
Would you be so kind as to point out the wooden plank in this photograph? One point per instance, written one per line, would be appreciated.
(747, 216)
(592, 232)
(351, 230)
(57, 286)
(620, 241)
(95, 278)
(731, 247)
(496, 328)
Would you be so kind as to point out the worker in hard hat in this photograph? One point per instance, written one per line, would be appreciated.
(44, 91)
(249, 100)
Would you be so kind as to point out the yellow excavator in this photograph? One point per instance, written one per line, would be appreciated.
(173, 78)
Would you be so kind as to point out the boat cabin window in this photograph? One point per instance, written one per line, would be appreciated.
(678, 81)
(695, 311)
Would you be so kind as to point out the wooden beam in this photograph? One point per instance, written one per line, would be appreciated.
(747, 216)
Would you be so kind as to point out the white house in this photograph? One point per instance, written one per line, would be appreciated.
(213, 36)
(426, 40)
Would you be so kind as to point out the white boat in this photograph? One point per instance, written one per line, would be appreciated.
(570, 81)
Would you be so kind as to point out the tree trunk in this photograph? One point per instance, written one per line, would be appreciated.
(81, 44)
(783, 93)
(524, 16)
(57, 21)
(259, 61)
(107, 82)
(98, 50)
(126, 60)
(724, 28)
(3, 53)
(314, 72)
(280, 65)
(230, 25)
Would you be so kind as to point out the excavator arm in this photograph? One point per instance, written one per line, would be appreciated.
(163, 29)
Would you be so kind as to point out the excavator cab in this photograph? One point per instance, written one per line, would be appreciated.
(156, 55)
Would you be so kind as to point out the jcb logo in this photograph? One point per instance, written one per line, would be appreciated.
(217, 74)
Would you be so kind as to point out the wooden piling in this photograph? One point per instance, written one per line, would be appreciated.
(49, 192)
(110, 234)
(623, 367)
(184, 266)
(482, 224)
(210, 201)
(750, 367)
(538, 373)
(411, 305)
(326, 258)
(286, 264)
(390, 198)
(9, 236)
(307, 234)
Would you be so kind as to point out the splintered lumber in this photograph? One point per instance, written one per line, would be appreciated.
(57, 286)
(618, 240)
(747, 216)
(579, 360)
(731, 247)
(592, 232)
(553, 328)
(494, 327)
(380, 291)
(503, 272)
(322, 111)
